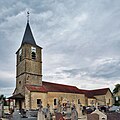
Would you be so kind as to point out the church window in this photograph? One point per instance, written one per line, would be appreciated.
(55, 101)
(33, 53)
(19, 82)
(20, 54)
(39, 102)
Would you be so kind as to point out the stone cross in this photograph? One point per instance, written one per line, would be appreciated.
(40, 115)
(79, 110)
(48, 113)
(74, 114)
(68, 111)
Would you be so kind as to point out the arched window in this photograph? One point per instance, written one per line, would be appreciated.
(55, 101)
(33, 53)
(39, 102)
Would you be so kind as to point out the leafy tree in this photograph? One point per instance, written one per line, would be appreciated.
(3, 99)
(116, 89)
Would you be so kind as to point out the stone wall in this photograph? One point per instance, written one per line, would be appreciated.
(100, 99)
(28, 70)
(48, 98)
(109, 98)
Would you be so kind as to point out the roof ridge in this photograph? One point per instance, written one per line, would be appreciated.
(99, 89)
(94, 89)
(59, 84)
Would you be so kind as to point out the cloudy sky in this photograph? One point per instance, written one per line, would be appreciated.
(80, 40)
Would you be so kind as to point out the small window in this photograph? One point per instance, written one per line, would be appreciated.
(19, 82)
(33, 53)
(55, 101)
(39, 102)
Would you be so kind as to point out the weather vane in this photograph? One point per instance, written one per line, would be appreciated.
(28, 16)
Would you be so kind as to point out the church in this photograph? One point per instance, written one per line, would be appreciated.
(31, 90)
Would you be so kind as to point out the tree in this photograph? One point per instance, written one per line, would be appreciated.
(3, 99)
(116, 89)
(116, 97)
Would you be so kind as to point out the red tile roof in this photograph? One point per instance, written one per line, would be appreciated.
(54, 87)
(102, 91)
(36, 88)
(92, 93)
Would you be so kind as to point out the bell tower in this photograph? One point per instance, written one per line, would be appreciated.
(29, 62)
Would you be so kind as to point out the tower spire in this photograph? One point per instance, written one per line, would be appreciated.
(28, 36)
(28, 15)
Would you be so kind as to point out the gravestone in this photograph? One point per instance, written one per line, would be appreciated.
(92, 116)
(68, 111)
(68, 108)
(48, 113)
(59, 106)
(31, 113)
(40, 115)
(74, 114)
(100, 114)
(16, 115)
(79, 109)
(58, 116)
(113, 116)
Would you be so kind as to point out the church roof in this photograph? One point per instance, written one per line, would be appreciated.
(28, 36)
(53, 87)
(92, 93)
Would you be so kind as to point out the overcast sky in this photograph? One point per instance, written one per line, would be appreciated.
(80, 41)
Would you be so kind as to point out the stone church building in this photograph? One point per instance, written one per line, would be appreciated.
(31, 90)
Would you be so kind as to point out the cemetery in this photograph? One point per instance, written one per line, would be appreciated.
(66, 111)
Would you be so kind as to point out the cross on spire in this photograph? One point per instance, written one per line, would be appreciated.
(28, 14)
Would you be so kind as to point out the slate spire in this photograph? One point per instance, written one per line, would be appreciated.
(28, 36)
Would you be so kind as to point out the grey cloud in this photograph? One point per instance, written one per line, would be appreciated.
(108, 69)
(7, 82)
